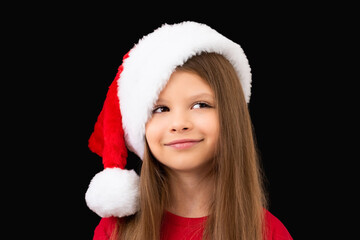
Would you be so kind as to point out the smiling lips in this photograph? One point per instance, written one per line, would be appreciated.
(183, 143)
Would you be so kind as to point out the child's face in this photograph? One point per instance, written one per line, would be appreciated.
(184, 129)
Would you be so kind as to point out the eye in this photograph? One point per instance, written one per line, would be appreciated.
(199, 105)
(160, 109)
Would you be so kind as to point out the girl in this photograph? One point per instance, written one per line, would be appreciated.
(179, 102)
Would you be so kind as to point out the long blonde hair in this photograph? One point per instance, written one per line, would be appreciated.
(237, 206)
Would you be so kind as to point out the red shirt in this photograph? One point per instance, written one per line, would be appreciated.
(176, 228)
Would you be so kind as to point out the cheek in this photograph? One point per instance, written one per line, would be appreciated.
(153, 133)
(210, 126)
(212, 130)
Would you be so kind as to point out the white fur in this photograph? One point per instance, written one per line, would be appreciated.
(153, 60)
(114, 192)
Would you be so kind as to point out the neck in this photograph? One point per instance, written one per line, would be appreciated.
(190, 193)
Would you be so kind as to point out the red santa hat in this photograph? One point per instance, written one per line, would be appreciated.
(129, 102)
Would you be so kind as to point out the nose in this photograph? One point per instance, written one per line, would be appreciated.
(180, 123)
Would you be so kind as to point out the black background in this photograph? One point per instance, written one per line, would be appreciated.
(68, 55)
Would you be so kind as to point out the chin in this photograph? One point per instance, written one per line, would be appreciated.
(185, 164)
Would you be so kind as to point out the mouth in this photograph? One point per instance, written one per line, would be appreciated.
(183, 143)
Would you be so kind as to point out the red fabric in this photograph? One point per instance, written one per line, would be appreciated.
(176, 227)
(275, 230)
(107, 140)
(104, 229)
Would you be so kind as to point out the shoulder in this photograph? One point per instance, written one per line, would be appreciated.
(105, 228)
(275, 229)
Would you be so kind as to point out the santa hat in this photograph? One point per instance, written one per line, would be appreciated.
(129, 102)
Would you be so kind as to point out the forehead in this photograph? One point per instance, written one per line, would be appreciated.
(183, 84)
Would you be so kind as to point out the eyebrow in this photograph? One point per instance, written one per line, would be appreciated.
(192, 98)
(202, 95)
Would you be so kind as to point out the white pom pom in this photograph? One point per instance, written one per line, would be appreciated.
(114, 192)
